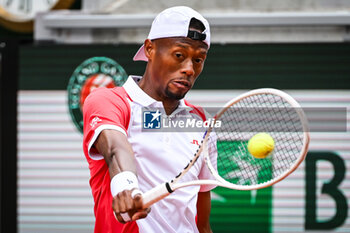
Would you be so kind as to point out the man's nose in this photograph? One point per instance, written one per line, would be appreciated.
(188, 68)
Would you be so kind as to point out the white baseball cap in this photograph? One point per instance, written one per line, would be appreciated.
(174, 22)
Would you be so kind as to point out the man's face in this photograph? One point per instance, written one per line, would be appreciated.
(176, 64)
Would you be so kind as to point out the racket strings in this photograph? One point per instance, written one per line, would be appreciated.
(254, 114)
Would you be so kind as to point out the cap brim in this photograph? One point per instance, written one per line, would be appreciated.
(140, 55)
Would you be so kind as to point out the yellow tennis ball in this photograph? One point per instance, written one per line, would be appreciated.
(261, 145)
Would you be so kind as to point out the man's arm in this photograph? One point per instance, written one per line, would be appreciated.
(119, 156)
(203, 212)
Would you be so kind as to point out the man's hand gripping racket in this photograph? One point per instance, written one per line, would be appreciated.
(262, 110)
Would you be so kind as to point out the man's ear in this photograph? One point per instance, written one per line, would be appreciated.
(149, 48)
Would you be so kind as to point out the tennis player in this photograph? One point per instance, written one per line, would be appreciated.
(124, 160)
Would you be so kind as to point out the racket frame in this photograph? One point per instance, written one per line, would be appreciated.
(166, 188)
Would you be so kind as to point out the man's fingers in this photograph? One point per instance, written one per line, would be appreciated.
(136, 192)
(138, 201)
(127, 205)
(115, 205)
(118, 217)
(122, 202)
(139, 215)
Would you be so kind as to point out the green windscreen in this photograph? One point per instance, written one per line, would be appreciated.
(229, 66)
(241, 211)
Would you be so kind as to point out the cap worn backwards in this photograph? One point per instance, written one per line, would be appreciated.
(174, 22)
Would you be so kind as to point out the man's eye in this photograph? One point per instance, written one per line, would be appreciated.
(198, 60)
(178, 55)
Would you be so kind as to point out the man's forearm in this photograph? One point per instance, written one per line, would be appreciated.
(203, 212)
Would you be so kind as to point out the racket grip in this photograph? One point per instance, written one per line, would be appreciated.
(157, 193)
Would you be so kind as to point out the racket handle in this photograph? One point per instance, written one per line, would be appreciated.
(157, 193)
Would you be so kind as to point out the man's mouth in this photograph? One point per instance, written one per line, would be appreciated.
(182, 83)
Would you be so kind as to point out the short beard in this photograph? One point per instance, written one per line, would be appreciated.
(171, 95)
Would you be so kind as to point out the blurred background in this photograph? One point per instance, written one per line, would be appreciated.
(53, 52)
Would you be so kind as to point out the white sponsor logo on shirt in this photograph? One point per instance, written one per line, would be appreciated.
(95, 121)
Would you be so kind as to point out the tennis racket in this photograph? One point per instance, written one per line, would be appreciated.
(225, 148)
